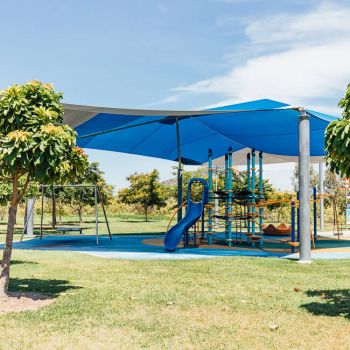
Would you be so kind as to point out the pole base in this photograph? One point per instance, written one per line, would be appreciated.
(304, 261)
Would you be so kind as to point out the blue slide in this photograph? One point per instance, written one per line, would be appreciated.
(193, 213)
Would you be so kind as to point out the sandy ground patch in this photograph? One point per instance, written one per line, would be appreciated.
(18, 302)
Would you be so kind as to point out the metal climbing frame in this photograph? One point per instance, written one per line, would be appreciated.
(240, 209)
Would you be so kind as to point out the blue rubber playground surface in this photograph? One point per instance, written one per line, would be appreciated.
(140, 247)
(129, 247)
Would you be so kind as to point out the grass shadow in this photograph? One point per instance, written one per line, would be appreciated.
(50, 287)
(333, 302)
(19, 262)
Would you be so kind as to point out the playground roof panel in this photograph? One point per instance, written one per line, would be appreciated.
(266, 125)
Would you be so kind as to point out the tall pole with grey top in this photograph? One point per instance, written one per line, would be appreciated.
(304, 185)
(30, 216)
(179, 171)
(321, 190)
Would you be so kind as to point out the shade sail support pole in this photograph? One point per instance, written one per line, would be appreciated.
(304, 186)
(179, 171)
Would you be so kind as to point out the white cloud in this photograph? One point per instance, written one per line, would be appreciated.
(323, 24)
(296, 74)
(306, 58)
(169, 99)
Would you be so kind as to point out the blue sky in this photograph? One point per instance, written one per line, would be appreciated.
(179, 54)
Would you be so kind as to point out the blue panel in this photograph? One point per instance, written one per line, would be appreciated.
(251, 105)
(104, 121)
(264, 125)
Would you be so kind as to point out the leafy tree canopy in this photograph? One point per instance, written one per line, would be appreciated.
(35, 145)
(239, 182)
(145, 190)
(334, 187)
(338, 140)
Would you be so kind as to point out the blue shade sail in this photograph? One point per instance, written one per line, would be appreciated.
(265, 125)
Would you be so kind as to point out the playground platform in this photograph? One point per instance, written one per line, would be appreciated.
(145, 247)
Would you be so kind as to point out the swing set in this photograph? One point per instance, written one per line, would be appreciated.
(98, 198)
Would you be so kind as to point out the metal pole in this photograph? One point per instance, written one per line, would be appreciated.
(96, 214)
(304, 186)
(53, 208)
(248, 193)
(346, 207)
(216, 198)
(293, 224)
(315, 213)
(226, 196)
(253, 192)
(179, 171)
(104, 212)
(42, 212)
(229, 199)
(321, 190)
(210, 196)
(261, 196)
(298, 217)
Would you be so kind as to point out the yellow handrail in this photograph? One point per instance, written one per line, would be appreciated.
(175, 212)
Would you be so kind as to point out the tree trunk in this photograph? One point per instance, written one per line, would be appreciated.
(7, 252)
(146, 214)
(80, 214)
(60, 209)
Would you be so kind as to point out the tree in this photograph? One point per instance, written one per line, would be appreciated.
(5, 197)
(35, 145)
(338, 140)
(171, 185)
(313, 178)
(239, 182)
(333, 187)
(145, 190)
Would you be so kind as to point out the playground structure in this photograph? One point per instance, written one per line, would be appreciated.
(98, 199)
(295, 134)
(194, 211)
(241, 212)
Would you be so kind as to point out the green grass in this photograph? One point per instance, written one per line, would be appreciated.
(222, 303)
(118, 225)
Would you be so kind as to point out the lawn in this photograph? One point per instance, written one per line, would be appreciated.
(118, 225)
(221, 303)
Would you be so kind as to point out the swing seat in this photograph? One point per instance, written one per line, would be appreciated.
(70, 229)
